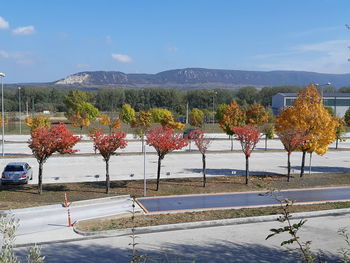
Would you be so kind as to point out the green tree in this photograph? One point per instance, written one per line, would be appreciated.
(83, 114)
(127, 114)
(347, 117)
(196, 117)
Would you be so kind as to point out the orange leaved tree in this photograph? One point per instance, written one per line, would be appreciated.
(113, 122)
(202, 144)
(46, 141)
(164, 140)
(292, 139)
(107, 144)
(309, 116)
(248, 136)
(231, 116)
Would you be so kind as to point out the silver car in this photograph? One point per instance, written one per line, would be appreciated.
(17, 173)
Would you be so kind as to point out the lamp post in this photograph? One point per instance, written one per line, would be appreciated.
(214, 93)
(19, 109)
(2, 75)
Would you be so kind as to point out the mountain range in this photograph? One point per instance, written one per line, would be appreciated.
(203, 78)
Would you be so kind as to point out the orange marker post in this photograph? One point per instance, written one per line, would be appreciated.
(68, 210)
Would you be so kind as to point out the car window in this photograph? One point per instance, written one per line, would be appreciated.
(14, 168)
(27, 166)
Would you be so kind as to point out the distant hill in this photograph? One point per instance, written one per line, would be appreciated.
(203, 78)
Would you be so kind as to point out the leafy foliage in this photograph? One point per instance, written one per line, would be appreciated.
(196, 117)
(232, 116)
(127, 114)
(46, 141)
(248, 136)
(107, 144)
(37, 121)
(113, 122)
(202, 144)
(164, 140)
(256, 115)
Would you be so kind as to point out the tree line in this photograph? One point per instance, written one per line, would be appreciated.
(38, 99)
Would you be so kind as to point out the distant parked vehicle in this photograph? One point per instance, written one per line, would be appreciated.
(17, 173)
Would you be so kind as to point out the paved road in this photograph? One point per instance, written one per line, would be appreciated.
(211, 201)
(238, 243)
(49, 218)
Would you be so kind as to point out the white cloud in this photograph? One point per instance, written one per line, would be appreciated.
(3, 23)
(122, 58)
(324, 57)
(25, 30)
(22, 58)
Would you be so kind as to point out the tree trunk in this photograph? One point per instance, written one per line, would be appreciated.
(108, 183)
(189, 145)
(310, 163)
(265, 142)
(336, 143)
(204, 170)
(288, 164)
(231, 138)
(302, 164)
(246, 169)
(158, 172)
(40, 179)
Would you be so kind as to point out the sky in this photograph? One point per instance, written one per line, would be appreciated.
(42, 41)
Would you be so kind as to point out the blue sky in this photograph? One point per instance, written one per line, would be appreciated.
(43, 40)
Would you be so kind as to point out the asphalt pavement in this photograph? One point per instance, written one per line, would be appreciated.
(236, 200)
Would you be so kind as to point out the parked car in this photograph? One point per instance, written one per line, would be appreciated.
(17, 173)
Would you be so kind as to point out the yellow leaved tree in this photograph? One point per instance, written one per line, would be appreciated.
(256, 114)
(37, 121)
(230, 116)
(165, 118)
(310, 117)
(113, 122)
(141, 123)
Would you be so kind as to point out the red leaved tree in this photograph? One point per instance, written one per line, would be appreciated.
(292, 139)
(164, 140)
(107, 144)
(248, 136)
(202, 144)
(46, 141)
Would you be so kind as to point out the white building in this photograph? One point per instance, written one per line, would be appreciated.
(339, 102)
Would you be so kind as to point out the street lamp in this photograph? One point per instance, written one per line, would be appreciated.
(2, 75)
(19, 109)
(214, 93)
(321, 86)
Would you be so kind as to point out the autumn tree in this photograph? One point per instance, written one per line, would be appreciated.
(291, 139)
(202, 144)
(309, 116)
(113, 122)
(164, 140)
(127, 113)
(107, 144)
(165, 118)
(347, 117)
(248, 136)
(141, 124)
(341, 128)
(46, 141)
(231, 116)
(37, 121)
(196, 117)
(256, 115)
(83, 114)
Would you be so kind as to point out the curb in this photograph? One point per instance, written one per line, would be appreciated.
(98, 200)
(212, 223)
(62, 205)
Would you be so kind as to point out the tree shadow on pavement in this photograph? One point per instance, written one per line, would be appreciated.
(230, 172)
(321, 169)
(223, 251)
